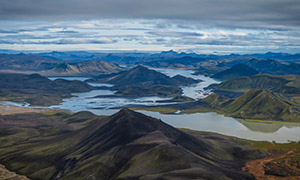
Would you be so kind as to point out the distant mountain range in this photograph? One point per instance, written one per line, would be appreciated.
(135, 56)
(81, 63)
(126, 145)
(261, 66)
(30, 63)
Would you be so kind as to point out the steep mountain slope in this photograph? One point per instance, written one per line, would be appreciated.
(288, 84)
(129, 145)
(259, 104)
(216, 100)
(85, 68)
(235, 72)
(142, 76)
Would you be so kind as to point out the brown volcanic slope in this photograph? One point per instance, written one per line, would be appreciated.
(127, 145)
(30, 63)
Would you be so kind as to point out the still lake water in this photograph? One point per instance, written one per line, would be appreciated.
(210, 122)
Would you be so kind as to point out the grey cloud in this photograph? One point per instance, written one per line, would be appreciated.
(278, 14)
(81, 41)
(249, 40)
(67, 32)
(174, 34)
(8, 32)
(60, 41)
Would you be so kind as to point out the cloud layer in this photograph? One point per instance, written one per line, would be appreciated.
(225, 13)
(203, 26)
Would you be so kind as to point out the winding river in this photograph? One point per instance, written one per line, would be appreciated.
(211, 122)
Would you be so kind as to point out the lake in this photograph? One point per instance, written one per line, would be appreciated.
(210, 122)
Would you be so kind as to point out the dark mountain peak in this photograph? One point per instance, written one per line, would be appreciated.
(185, 80)
(127, 126)
(178, 76)
(130, 145)
(125, 112)
(171, 52)
(142, 76)
(36, 76)
(134, 121)
(140, 67)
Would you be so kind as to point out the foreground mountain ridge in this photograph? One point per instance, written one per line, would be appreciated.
(128, 145)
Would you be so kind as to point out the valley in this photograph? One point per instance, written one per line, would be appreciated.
(182, 114)
(143, 138)
(231, 112)
(149, 90)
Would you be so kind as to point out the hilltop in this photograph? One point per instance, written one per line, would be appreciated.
(141, 81)
(142, 76)
(126, 145)
(257, 104)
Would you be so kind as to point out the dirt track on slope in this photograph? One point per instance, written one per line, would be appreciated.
(5, 174)
(258, 168)
(9, 109)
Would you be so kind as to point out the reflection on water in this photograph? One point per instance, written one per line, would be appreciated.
(266, 127)
(211, 122)
(81, 79)
(100, 85)
(195, 91)
(86, 101)
(69, 78)
(19, 104)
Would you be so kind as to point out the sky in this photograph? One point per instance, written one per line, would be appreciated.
(201, 26)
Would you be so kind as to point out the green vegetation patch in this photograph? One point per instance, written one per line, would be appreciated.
(162, 110)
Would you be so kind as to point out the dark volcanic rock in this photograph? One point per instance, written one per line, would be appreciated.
(129, 145)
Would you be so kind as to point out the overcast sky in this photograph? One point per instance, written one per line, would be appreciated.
(202, 26)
